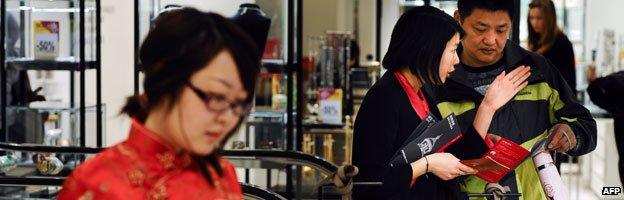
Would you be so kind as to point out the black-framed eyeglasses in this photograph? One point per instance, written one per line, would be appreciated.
(219, 103)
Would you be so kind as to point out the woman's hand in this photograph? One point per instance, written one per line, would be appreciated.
(502, 89)
(505, 87)
(446, 166)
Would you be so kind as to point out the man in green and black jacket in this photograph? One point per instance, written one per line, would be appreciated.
(546, 105)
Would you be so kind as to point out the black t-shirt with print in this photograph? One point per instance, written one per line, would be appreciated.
(482, 77)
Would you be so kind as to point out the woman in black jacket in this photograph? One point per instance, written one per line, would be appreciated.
(422, 52)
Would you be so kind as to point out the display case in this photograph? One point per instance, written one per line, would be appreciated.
(328, 96)
(51, 124)
(51, 45)
(32, 172)
(265, 130)
(338, 66)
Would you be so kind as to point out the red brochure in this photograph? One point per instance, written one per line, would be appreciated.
(503, 157)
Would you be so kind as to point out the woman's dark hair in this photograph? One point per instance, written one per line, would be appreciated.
(543, 41)
(418, 42)
(182, 42)
(465, 7)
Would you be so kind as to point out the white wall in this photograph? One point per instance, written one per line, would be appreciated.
(117, 66)
(224, 7)
(600, 15)
(390, 15)
(318, 17)
(344, 11)
(366, 17)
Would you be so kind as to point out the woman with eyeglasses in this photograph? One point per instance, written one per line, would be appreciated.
(200, 71)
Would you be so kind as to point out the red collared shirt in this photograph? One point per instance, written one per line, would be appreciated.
(142, 167)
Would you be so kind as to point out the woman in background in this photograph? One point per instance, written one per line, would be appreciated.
(200, 71)
(547, 39)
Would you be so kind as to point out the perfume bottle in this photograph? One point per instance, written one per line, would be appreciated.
(591, 69)
(278, 97)
(52, 132)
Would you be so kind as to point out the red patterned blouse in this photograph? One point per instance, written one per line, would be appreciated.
(142, 167)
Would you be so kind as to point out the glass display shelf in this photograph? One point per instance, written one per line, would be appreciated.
(50, 123)
(67, 63)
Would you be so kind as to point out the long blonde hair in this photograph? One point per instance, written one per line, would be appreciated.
(540, 42)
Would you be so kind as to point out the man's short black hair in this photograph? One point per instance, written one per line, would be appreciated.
(466, 7)
(418, 41)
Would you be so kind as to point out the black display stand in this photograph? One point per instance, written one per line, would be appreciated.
(80, 65)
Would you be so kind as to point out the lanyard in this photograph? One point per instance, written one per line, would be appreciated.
(416, 99)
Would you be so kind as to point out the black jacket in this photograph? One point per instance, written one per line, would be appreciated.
(608, 93)
(561, 55)
(546, 101)
(384, 121)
